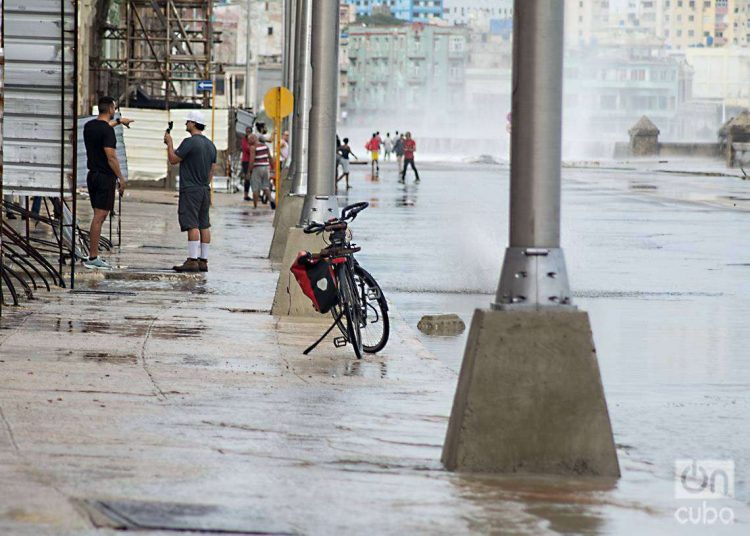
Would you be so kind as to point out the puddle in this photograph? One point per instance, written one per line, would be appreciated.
(114, 359)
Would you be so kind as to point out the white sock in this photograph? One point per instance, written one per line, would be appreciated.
(194, 249)
(204, 251)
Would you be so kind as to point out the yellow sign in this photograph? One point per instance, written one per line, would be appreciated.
(278, 102)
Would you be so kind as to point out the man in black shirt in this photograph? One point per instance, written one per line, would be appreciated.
(104, 173)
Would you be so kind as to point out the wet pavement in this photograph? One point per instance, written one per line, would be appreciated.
(164, 402)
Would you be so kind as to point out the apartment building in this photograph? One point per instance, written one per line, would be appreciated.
(415, 68)
(476, 12)
(585, 21)
(408, 10)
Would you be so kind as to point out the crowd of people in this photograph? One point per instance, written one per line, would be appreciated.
(196, 156)
(402, 145)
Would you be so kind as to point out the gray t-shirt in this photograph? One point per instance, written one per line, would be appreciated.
(198, 154)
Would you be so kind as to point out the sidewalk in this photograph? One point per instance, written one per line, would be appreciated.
(144, 385)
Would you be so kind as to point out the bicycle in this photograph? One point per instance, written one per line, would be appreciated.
(361, 310)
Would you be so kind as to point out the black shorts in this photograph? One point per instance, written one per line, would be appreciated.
(192, 209)
(245, 166)
(101, 190)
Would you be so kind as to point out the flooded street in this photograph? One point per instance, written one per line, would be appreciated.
(660, 262)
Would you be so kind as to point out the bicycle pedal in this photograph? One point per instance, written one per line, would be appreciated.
(340, 342)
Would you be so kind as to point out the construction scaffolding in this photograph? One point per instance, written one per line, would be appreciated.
(156, 53)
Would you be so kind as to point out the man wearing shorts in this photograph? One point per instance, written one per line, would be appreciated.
(196, 156)
(374, 147)
(344, 152)
(260, 164)
(104, 173)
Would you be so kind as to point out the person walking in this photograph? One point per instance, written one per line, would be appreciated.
(284, 148)
(388, 147)
(398, 149)
(246, 162)
(104, 173)
(374, 147)
(260, 164)
(197, 158)
(344, 152)
(410, 147)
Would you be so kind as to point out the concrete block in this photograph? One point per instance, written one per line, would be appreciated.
(288, 213)
(530, 398)
(289, 299)
(286, 188)
(446, 324)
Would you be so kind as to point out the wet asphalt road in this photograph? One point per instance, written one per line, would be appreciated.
(659, 260)
(185, 390)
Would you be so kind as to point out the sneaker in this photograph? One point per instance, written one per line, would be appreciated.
(10, 216)
(416, 180)
(97, 264)
(190, 265)
(203, 265)
(246, 198)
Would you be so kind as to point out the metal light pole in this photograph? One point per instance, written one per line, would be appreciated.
(534, 273)
(288, 74)
(288, 50)
(320, 201)
(529, 395)
(247, 55)
(302, 88)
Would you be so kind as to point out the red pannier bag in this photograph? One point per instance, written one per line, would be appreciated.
(316, 279)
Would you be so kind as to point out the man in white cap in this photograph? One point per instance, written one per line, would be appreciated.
(196, 156)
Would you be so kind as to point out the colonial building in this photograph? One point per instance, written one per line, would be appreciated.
(415, 68)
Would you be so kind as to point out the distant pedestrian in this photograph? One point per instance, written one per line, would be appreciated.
(387, 146)
(338, 156)
(246, 162)
(374, 147)
(284, 149)
(410, 147)
(197, 158)
(398, 149)
(344, 152)
(104, 173)
(260, 164)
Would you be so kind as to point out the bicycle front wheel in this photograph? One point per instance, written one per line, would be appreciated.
(375, 324)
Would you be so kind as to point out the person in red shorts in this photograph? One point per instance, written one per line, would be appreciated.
(410, 147)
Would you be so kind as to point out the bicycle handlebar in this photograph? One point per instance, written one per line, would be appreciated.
(349, 212)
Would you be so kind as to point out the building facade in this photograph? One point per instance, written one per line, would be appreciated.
(608, 89)
(408, 10)
(585, 20)
(477, 13)
(683, 24)
(415, 69)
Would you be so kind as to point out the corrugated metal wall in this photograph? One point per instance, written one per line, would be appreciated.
(33, 136)
(147, 155)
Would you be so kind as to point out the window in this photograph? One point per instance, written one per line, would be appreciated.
(270, 30)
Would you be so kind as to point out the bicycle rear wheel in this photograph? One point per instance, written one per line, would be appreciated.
(375, 324)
